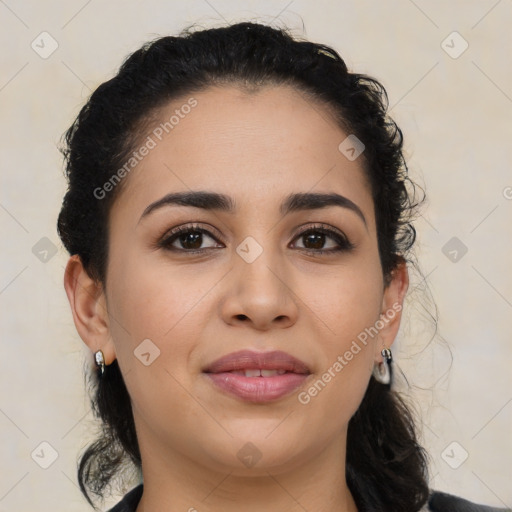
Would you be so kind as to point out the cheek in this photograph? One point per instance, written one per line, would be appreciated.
(347, 306)
(154, 327)
(350, 309)
(347, 302)
(151, 302)
(153, 298)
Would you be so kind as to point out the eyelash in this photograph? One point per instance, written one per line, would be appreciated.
(344, 244)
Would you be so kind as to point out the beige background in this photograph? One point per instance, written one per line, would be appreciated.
(455, 114)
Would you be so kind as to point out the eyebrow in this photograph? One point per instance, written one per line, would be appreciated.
(221, 202)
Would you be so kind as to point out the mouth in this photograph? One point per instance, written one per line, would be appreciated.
(257, 376)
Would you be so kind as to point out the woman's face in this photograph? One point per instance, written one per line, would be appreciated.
(249, 280)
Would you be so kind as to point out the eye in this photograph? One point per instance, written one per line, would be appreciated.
(316, 236)
(190, 238)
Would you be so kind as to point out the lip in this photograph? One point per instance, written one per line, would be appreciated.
(257, 389)
(251, 360)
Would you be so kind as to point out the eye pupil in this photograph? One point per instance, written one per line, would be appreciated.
(193, 237)
(320, 239)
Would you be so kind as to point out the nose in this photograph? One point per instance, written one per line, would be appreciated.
(259, 294)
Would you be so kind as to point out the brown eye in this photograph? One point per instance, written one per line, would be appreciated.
(189, 239)
(314, 240)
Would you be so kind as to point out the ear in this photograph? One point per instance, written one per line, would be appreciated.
(392, 305)
(89, 308)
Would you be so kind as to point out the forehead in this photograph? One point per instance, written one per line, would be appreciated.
(256, 146)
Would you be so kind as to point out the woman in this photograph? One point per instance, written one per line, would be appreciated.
(239, 224)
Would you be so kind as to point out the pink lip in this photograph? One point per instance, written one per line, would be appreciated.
(250, 360)
(257, 389)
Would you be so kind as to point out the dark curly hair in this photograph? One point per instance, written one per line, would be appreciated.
(386, 466)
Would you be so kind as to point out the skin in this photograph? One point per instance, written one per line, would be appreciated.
(257, 148)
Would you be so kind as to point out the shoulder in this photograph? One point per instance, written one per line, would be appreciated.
(130, 501)
(443, 502)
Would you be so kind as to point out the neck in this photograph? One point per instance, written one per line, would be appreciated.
(174, 482)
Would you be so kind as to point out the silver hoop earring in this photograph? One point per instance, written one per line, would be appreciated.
(100, 361)
(382, 371)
